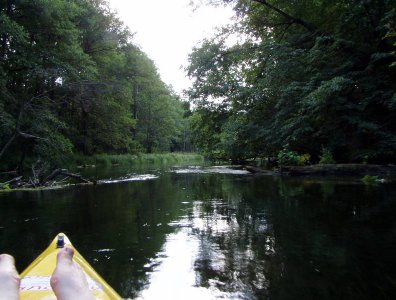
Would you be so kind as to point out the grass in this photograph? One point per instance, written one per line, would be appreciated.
(370, 179)
(107, 160)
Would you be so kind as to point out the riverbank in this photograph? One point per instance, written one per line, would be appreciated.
(107, 160)
(331, 169)
(46, 178)
(340, 169)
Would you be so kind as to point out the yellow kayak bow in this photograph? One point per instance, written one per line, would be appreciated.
(35, 283)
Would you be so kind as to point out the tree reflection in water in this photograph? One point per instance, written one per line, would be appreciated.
(277, 238)
(235, 248)
(206, 235)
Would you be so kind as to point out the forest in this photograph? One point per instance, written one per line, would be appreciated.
(291, 81)
(72, 80)
(306, 81)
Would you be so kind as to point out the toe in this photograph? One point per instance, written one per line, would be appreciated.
(65, 256)
(6, 261)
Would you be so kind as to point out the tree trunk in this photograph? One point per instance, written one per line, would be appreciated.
(16, 132)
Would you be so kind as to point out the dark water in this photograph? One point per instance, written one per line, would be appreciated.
(207, 234)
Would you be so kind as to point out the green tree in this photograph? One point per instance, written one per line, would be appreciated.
(307, 74)
(40, 49)
(72, 80)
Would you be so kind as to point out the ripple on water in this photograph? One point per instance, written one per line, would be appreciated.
(104, 250)
(233, 170)
(128, 178)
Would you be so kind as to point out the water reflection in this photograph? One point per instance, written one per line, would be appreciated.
(208, 257)
(173, 276)
(227, 260)
(218, 235)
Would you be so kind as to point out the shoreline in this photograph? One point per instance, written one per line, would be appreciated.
(329, 170)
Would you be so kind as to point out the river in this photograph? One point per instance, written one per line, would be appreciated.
(215, 232)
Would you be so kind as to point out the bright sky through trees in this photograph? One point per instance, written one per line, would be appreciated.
(167, 31)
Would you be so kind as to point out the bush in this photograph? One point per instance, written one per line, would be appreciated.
(288, 157)
(304, 159)
(5, 187)
(370, 179)
(327, 157)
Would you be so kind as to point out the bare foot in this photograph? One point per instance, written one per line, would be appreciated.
(68, 280)
(9, 278)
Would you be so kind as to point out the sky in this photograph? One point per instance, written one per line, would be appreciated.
(168, 30)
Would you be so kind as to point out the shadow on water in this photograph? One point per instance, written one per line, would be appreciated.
(217, 234)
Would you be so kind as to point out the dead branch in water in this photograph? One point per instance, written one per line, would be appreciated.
(48, 181)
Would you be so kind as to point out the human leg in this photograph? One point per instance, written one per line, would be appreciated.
(68, 280)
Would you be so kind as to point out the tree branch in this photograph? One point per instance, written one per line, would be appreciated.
(17, 179)
(8, 144)
(29, 136)
(58, 172)
(299, 21)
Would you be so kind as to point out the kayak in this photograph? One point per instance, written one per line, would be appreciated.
(35, 280)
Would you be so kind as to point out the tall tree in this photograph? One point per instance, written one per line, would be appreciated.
(40, 50)
(307, 74)
(72, 80)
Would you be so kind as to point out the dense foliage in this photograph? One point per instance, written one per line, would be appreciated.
(72, 80)
(304, 76)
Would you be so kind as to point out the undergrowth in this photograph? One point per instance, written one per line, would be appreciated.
(107, 160)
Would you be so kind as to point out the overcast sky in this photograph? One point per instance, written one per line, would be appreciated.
(168, 30)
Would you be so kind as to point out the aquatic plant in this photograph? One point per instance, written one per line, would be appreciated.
(368, 179)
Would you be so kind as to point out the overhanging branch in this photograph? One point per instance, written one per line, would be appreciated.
(294, 20)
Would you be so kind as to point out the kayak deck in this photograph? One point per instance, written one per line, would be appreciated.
(35, 280)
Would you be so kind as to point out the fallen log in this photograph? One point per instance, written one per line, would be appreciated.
(52, 176)
(338, 169)
(63, 172)
(253, 169)
(76, 176)
(19, 182)
(14, 172)
(258, 171)
(12, 181)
